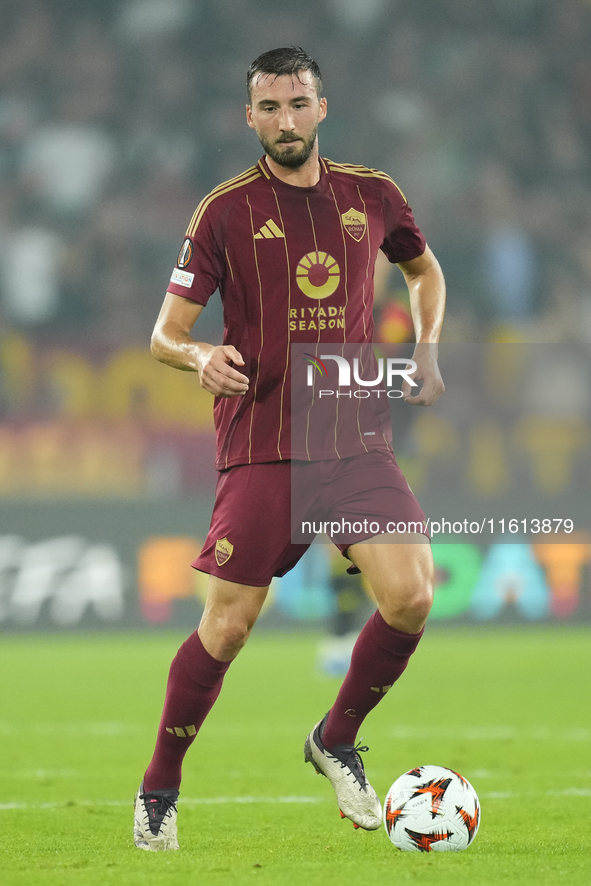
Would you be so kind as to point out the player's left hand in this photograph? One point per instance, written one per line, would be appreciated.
(427, 371)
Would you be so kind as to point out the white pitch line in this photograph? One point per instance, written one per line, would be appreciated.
(116, 729)
(510, 795)
(39, 773)
(492, 733)
(186, 801)
(220, 801)
(105, 729)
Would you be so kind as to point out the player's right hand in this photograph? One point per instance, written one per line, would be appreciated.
(217, 376)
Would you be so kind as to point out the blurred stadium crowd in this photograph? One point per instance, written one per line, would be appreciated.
(117, 116)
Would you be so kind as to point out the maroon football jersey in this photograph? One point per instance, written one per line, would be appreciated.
(293, 266)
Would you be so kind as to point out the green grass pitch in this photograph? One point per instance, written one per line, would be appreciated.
(508, 708)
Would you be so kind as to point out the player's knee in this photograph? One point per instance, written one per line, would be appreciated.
(425, 588)
(409, 606)
(421, 590)
(419, 602)
(235, 624)
(233, 633)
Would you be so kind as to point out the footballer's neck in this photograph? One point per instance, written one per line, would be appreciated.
(305, 176)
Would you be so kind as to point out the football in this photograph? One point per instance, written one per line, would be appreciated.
(431, 809)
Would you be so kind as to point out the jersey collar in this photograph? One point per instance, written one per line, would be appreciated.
(318, 188)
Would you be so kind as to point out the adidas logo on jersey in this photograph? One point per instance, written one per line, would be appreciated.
(269, 231)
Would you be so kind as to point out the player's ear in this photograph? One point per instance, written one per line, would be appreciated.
(323, 109)
(249, 116)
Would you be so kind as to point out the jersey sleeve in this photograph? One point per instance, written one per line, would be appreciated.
(403, 239)
(199, 267)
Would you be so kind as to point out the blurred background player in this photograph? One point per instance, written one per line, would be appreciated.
(267, 239)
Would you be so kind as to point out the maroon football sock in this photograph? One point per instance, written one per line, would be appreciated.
(380, 655)
(194, 682)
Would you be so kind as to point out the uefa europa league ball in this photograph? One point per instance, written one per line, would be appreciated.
(431, 809)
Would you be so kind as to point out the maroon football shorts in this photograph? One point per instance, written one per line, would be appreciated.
(266, 515)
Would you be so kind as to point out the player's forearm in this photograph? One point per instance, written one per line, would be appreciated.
(427, 303)
(172, 345)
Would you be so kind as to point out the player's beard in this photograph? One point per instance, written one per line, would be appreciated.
(292, 157)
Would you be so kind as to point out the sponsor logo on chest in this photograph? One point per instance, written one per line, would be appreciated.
(318, 275)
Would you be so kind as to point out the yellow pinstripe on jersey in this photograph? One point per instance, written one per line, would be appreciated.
(262, 335)
(288, 344)
(261, 165)
(364, 171)
(225, 187)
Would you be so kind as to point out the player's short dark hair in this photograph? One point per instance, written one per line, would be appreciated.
(287, 60)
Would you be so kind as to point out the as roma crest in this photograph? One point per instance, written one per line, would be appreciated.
(354, 223)
(223, 551)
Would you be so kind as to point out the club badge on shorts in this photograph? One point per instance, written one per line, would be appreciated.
(185, 255)
(223, 551)
(355, 223)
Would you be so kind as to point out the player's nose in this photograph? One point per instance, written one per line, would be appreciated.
(285, 120)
